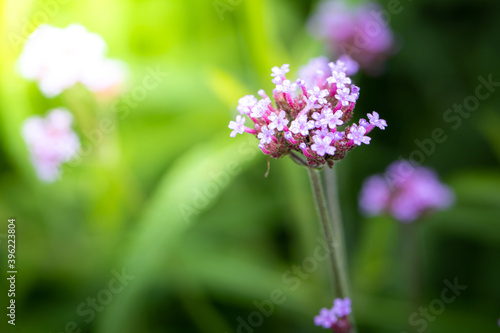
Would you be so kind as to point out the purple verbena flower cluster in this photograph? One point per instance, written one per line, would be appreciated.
(405, 192)
(335, 318)
(309, 115)
(358, 31)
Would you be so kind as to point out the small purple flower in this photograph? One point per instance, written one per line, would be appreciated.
(278, 121)
(302, 125)
(322, 145)
(323, 133)
(326, 318)
(364, 123)
(355, 92)
(51, 142)
(246, 103)
(261, 108)
(277, 81)
(318, 95)
(357, 134)
(347, 97)
(319, 118)
(286, 87)
(406, 192)
(337, 136)
(280, 71)
(237, 126)
(339, 78)
(266, 135)
(375, 120)
(344, 96)
(342, 307)
(336, 318)
(331, 119)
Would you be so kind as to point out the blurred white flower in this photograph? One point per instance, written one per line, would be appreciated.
(58, 58)
(105, 76)
(51, 142)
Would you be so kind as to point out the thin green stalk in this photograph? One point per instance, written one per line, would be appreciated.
(338, 229)
(335, 215)
(412, 263)
(333, 238)
(332, 194)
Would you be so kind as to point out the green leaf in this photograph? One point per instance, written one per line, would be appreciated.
(186, 190)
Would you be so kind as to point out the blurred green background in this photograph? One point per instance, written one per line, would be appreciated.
(171, 199)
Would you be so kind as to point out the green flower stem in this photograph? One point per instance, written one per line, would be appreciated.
(333, 236)
(413, 262)
(335, 215)
(338, 229)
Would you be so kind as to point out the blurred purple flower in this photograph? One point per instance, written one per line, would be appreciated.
(51, 142)
(342, 307)
(326, 318)
(315, 72)
(318, 70)
(351, 66)
(359, 32)
(405, 192)
(335, 318)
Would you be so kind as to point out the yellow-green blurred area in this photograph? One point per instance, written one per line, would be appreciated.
(168, 198)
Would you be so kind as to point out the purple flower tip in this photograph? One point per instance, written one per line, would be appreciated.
(335, 318)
